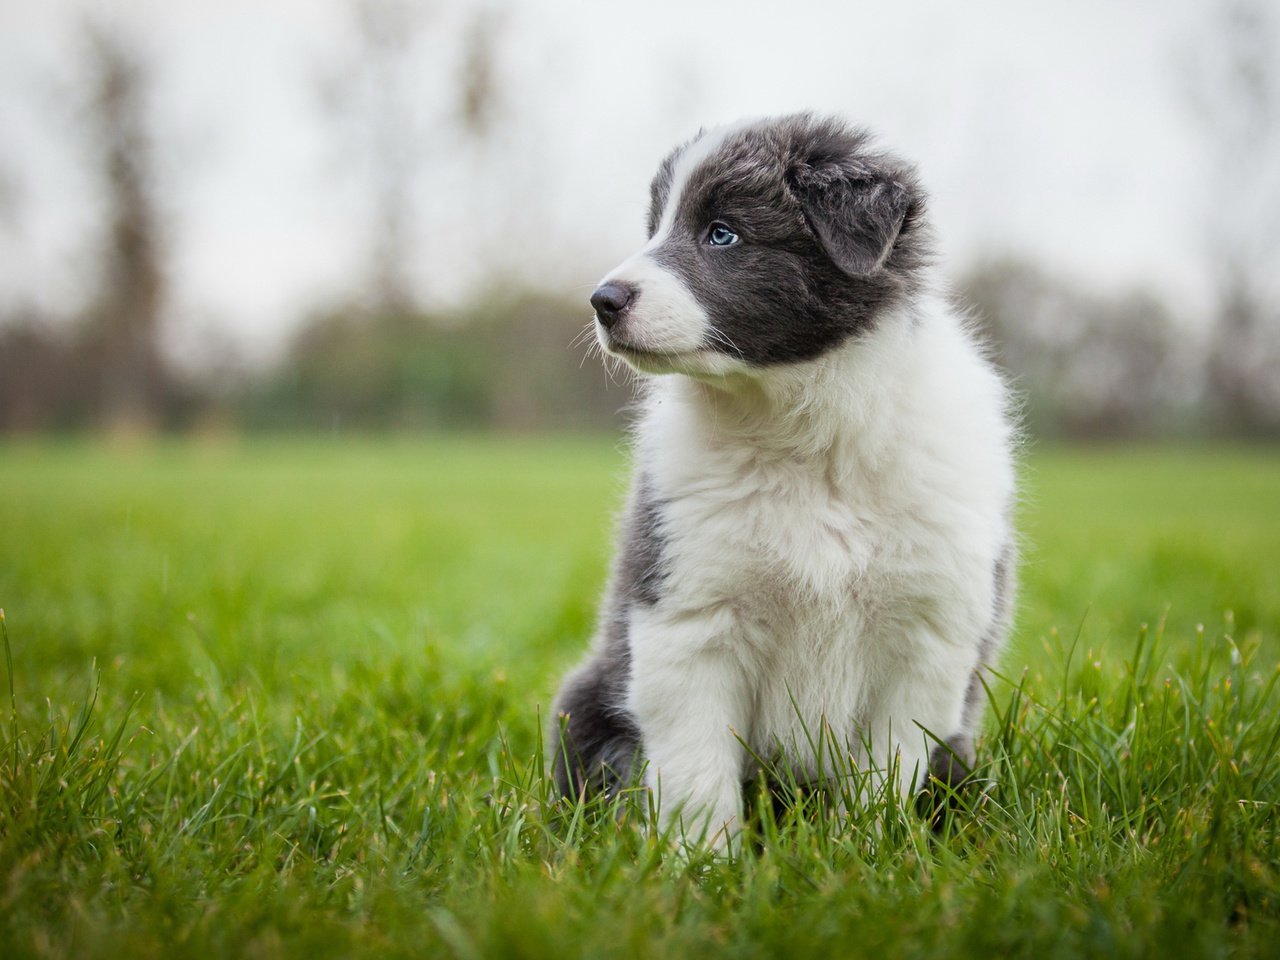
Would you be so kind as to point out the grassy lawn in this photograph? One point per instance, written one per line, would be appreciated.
(282, 699)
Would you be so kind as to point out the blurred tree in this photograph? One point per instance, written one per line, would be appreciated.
(105, 369)
(41, 384)
(504, 363)
(121, 336)
(393, 136)
(1087, 365)
(397, 132)
(380, 359)
(1236, 98)
(380, 122)
(479, 96)
(9, 198)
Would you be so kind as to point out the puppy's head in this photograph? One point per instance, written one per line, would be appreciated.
(771, 242)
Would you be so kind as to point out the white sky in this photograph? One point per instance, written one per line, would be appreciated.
(1060, 132)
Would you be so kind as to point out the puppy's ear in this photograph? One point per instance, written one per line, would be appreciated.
(855, 211)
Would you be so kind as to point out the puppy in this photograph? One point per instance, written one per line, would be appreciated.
(817, 546)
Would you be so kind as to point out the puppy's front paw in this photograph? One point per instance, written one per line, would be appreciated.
(696, 827)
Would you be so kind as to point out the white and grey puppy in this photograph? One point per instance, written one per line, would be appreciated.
(818, 536)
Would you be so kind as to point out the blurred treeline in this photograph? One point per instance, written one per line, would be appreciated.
(1089, 364)
(505, 363)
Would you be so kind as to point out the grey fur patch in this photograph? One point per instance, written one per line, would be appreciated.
(641, 570)
(993, 640)
(951, 761)
(597, 742)
(831, 233)
(950, 764)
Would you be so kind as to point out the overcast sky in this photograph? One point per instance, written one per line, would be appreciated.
(1060, 132)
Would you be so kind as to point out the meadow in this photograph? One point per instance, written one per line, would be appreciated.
(286, 698)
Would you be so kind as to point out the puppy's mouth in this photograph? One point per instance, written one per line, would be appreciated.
(700, 363)
(628, 350)
(650, 360)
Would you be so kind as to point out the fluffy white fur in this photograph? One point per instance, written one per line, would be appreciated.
(830, 531)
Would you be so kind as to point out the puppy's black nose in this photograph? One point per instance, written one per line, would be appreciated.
(611, 301)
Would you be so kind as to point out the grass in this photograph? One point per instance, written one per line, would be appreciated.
(282, 699)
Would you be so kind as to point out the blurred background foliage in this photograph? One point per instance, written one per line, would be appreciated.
(503, 364)
(1091, 362)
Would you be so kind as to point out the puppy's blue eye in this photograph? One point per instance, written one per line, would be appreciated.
(721, 236)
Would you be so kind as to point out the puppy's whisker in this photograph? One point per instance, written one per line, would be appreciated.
(719, 336)
(586, 332)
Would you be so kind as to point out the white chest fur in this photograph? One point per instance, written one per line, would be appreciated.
(828, 546)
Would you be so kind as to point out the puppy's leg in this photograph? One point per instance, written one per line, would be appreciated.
(925, 703)
(692, 702)
(950, 763)
(595, 739)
